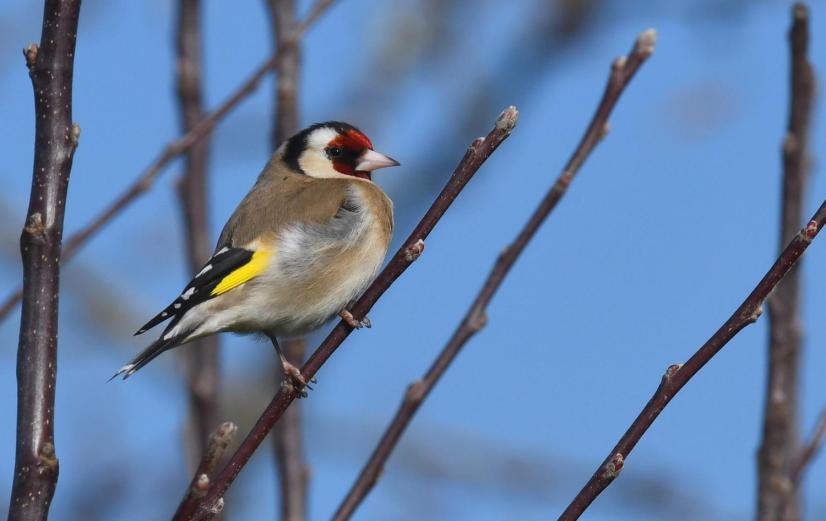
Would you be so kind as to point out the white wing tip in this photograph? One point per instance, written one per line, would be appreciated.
(127, 371)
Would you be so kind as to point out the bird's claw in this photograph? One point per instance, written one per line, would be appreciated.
(351, 321)
(293, 379)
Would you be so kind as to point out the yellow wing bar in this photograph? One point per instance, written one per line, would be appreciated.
(256, 265)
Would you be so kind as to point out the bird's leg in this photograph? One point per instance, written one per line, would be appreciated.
(291, 375)
(351, 321)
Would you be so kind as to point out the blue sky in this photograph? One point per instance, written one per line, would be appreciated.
(670, 224)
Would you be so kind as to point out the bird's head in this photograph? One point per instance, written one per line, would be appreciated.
(333, 149)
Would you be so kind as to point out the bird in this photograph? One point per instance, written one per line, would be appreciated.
(302, 245)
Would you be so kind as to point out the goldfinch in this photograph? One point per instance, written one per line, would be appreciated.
(307, 240)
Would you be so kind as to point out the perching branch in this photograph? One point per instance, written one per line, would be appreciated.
(291, 468)
(201, 360)
(51, 68)
(776, 500)
(477, 153)
(172, 150)
(622, 71)
(676, 376)
(213, 452)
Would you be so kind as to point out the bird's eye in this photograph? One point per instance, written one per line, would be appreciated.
(334, 151)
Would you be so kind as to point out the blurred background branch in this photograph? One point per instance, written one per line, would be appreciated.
(200, 360)
(777, 498)
(807, 453)
(622, 71)
(292, 470)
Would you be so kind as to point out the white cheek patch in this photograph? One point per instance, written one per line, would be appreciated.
(320, 138)
(316, 164)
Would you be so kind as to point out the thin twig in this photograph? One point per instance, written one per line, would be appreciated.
(51, 68)
(217, 444)
(476, 154)
(808, 452)
(292, 470)
(676, 376)
(622, 71)
(200, 360)
(172, 150)
(776, 500)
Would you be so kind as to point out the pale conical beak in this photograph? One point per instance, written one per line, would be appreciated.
(371, 160)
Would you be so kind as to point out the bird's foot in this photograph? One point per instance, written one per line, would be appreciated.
(351, 321)
(291, 378)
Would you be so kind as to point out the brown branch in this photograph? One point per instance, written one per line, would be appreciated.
(51, 68)
(622, 71)
(201, 360)
(217, 444)
(477, 153)
(808, 452)
(776, 500)
(292, 470)
(172, 150)
(288, 441)
(676, 376)
(285, 109)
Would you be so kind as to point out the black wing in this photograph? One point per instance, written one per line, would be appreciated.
(224, 262)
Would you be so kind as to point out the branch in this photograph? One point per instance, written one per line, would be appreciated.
(808, 452)
(172, 150)
(213, 452)
(288, 441)
(676, 376)
(780, 415)
(622, 71)
(292, 470)
(476, 154)
(51, 68)
(288, 49)
(200, 361)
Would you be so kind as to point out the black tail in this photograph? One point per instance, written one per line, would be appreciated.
(147, 355)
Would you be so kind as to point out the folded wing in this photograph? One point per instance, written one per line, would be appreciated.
(227, 269)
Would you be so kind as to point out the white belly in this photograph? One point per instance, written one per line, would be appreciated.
(310, 279)
(314, 273)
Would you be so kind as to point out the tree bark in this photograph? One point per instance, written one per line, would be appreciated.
(51, 67)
